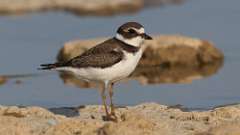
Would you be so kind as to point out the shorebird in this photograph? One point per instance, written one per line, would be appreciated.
(108, 62)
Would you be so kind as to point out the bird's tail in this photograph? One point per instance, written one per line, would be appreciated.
(49, 66)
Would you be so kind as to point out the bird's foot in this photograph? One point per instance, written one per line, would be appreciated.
(110, 117)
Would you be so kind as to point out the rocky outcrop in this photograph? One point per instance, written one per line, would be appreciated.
(83, 7)
(166, 59)
(144, 119)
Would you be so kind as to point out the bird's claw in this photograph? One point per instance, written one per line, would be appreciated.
(110, 117)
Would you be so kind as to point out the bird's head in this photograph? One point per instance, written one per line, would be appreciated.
(132, 33)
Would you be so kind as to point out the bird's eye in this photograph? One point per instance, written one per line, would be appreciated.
(131, 31)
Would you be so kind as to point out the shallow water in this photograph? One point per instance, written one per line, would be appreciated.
(29, 40)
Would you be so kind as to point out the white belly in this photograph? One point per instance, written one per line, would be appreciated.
(114, 73)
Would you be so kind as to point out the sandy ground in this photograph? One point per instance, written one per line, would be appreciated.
(143, 119)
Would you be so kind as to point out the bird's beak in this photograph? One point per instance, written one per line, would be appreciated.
(147, 37)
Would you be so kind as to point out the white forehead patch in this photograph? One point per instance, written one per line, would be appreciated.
(141, 30)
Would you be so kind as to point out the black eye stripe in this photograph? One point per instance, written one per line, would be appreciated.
(131, 31)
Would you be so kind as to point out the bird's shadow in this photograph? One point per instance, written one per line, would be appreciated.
(72, 111)
(66, 111)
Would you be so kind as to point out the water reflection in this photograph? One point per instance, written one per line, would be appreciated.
(145, 75)
(3, 80)
(18, 78)
(153, 75)
(156, 3)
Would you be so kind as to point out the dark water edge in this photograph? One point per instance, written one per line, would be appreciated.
(32, 39)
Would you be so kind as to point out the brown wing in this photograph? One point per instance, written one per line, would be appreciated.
(103, 55)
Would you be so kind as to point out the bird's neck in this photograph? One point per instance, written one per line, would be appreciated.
(127, 47)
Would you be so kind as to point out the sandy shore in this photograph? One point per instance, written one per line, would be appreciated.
(143, 119)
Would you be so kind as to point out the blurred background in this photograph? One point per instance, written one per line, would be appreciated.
(32, 32)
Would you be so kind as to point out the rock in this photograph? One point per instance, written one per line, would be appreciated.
(25, 112)
(100, 7)
(143, 119)
(21, 6)
(176, 50)
(83, 7)
(138, 125)
(166, 59)
(75, 127)
(224, 129)
(12, 126)
(26, 120)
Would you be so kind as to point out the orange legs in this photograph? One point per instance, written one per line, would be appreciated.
(110, 92)
(109, 87)
(104, 102)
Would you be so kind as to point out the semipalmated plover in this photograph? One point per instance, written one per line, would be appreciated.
(108, 62)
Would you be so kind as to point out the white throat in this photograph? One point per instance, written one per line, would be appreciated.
(137, 41)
